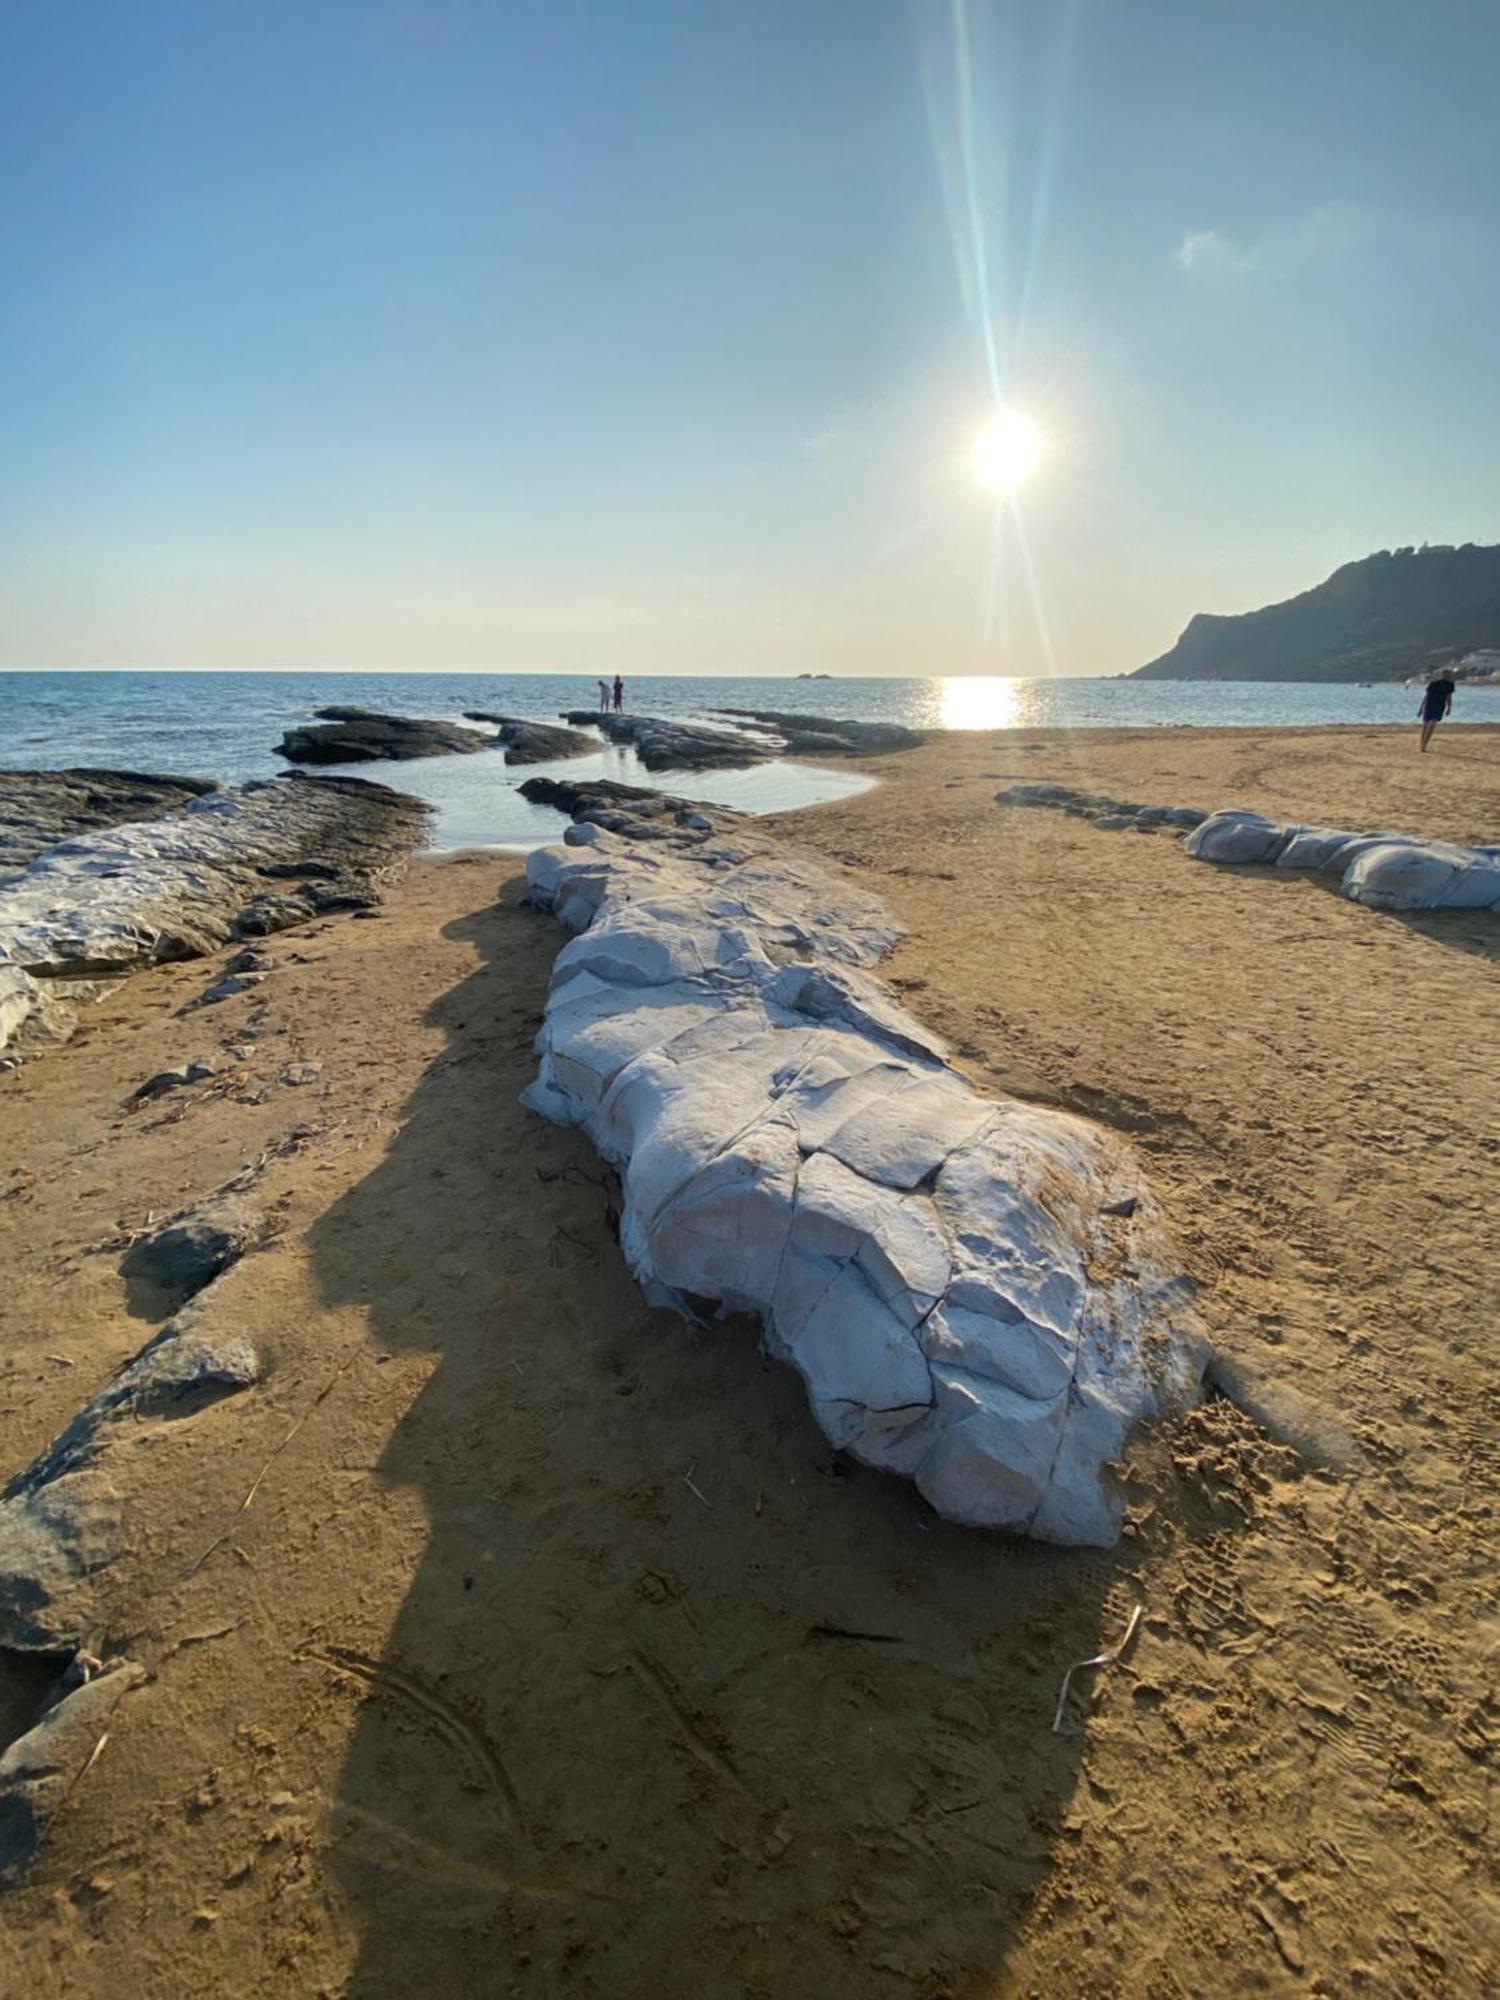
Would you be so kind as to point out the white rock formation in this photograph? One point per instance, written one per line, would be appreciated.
(975, 1293)
(1389, 871)
(186, 882)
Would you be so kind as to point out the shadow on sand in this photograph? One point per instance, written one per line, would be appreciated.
(679, 1701)
(1476, 932)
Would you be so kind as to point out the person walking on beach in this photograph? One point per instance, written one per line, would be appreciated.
(1437, 700)
(619, 694)
(604, 694)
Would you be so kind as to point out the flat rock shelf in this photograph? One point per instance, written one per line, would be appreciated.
(236, 863)
(677, 746)
(978, 1294)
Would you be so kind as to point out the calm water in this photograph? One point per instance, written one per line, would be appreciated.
(226, 725)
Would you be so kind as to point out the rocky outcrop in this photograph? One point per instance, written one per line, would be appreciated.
(678, 746)
(1389, 871)
(1113, 815)
(39, 808)
(529, 742)
(829, 736)
(66, 1518)
(977, 1294)
(178, 1259)
(232, 863)
(361, 736)
(629, 810)
(36, 1012)
(40, 1768)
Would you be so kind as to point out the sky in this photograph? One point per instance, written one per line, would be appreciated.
(654, 335)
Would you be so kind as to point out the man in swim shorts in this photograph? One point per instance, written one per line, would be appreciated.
(1437, 700)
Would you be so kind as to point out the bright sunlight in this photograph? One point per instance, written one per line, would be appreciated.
(1006, 451)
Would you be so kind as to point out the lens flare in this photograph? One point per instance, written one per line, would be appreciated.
(1006, 451)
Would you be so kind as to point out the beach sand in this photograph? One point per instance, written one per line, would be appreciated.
(556, 1652)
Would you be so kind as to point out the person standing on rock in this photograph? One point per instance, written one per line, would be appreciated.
(619, 694)
(603, 695)
(1437, 701)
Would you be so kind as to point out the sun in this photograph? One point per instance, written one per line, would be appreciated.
(1006, 451)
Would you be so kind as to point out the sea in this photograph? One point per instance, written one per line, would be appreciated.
(227, 726)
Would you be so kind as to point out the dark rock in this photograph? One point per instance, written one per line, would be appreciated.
(629, 809)
(158, 1085)
(360, 736)
(678, 746)
(251, 959)
(40, 1768)
(827, 736)
(178, 1370)
(1110, 815)
(227, 988)
(533, 742)
(143, 893)
(39, 808)
(187, 1253)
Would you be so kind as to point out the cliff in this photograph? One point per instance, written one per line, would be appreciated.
(1387, 616)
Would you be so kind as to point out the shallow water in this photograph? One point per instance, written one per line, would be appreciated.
(226, 725)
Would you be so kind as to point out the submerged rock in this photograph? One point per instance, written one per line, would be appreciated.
(534, 742)
(977, 1294)
(361, 736)
(678, 746)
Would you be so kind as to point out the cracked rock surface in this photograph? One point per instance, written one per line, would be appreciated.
(1389, 871)
(976, 1293)
(231, 863)
(678, 746)
(38, 808)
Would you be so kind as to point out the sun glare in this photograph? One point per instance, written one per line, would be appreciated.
(1006, 451)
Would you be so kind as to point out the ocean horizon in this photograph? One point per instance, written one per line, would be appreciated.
(225, 724)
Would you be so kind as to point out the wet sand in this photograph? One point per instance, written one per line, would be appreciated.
(557, 1653)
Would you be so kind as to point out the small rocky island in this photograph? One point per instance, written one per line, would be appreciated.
(678, 746)
(361, 736)
(528, 742)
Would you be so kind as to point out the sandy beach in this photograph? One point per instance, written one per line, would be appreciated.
(513, 1637)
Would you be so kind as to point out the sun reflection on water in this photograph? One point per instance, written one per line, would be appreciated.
(981, 701)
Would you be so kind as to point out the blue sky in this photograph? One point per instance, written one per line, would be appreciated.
(654, 334)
